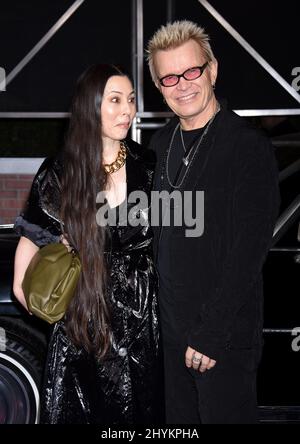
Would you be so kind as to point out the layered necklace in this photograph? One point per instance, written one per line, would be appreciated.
(188, 157)
(119, 162)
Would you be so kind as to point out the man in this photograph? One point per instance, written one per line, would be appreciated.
(210, 285)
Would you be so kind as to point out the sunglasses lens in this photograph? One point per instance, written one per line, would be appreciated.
(189, 74)
(170, 80)
(192, 74)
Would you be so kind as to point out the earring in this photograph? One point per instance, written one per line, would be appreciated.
(213, 86)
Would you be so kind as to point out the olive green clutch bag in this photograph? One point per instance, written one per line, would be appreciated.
(50, 281)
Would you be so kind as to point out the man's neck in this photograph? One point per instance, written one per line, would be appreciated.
(200, 120)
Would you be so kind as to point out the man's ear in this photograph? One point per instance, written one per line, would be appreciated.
(213, 70)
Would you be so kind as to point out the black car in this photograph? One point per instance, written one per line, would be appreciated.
(23, 338)
(23, 342)
(279, 369)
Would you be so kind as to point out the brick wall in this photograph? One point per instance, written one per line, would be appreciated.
(14, 189)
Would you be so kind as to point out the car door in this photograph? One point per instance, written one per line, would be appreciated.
(278, 384)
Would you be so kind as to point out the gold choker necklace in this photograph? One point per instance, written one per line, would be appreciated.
(119, 162)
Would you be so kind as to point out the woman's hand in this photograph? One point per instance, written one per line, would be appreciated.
(63, 240)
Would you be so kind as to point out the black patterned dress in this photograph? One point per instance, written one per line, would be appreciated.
(122, 388)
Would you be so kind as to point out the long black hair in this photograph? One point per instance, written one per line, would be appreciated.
(88, 316)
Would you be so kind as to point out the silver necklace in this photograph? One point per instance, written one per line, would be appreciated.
(186, 159)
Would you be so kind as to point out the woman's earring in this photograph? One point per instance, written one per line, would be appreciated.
(213, 86)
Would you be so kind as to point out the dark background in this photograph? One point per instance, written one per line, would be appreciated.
(101, 31)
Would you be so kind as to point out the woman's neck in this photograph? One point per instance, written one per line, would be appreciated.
(110, 150)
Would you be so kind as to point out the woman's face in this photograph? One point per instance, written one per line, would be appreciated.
(118, 107)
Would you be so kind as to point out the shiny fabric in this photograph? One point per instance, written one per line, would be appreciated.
(122, 388)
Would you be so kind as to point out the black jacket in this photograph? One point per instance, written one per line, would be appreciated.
(122, 387)
(216, 278)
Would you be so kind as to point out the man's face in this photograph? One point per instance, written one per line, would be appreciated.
(188, 99)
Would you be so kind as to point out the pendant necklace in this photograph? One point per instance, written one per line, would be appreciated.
(187, 158)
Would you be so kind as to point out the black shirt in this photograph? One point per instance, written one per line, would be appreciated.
(174, 168)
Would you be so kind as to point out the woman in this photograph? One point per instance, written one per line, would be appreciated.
(102, 357)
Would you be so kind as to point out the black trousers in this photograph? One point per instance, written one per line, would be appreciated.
(225, 394)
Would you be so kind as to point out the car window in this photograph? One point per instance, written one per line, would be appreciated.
(289, 185)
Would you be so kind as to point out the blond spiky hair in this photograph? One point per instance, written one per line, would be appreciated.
(174, 34)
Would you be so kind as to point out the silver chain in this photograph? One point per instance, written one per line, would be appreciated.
(185, 159)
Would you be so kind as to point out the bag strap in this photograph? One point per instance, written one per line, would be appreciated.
(60, 222)
(73, 249)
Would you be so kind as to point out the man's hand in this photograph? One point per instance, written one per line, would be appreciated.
(198, 361)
